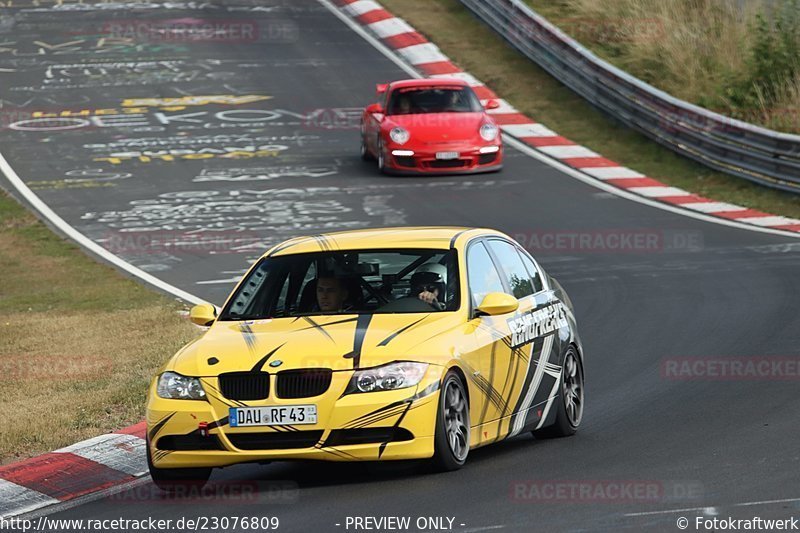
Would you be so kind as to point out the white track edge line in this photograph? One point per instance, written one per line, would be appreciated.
(562, 167)
(689, 509)
(81, 239)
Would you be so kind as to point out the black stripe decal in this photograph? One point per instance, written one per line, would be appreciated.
(391, 337)
(220, 398)
(493, 360)
(287, 245)
(382, 447)
(155, 429)
(261, 362)
(538, 345)
(362, 324)
(319, 328)
(387, 411)
(377, 418)
(455, 238)
(249, 336)
(343, 321)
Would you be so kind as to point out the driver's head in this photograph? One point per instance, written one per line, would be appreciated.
(405, 104)
(331, 294)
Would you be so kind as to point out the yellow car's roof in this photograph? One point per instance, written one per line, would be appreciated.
(437, 237)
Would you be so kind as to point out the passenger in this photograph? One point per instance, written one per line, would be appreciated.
(428, 283)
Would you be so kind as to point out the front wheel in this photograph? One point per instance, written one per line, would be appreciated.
(569, 405)
(451, 443)
(176, 480)
(365, 154)
(381, 158)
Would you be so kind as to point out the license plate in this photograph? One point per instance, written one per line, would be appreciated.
(446, 155)
(276, 415)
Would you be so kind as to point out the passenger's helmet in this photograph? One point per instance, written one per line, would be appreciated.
(429, 276)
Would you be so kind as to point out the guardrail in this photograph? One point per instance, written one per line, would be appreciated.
(744, 150)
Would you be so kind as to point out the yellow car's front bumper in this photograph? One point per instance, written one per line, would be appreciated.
(387, 425)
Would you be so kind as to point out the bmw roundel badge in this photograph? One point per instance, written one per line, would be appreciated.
(276, 363)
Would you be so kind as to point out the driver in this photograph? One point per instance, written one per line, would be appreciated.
(331, 294)
(404, 105)
(428, 283)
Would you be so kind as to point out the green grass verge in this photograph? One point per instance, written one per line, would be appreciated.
(79, 342)
(480, 51)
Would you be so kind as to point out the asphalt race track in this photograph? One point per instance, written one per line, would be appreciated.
(193, 189)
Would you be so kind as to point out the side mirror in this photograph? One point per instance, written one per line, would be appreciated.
(497, 303)
(374, 108)
(492, 104)
(203, 314)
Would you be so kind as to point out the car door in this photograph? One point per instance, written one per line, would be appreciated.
(537, 333)
(490, 370)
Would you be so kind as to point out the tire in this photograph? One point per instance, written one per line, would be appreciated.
(365, 155)
(177, 479)
(381, 158)
(451, 441)
(570, 399)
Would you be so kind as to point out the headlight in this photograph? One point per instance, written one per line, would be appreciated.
(388, 377)
(176, 387)
(399, 135)
(488, 132)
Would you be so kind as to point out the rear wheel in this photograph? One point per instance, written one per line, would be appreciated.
(569, 405)
(451, 443)
(177, 479)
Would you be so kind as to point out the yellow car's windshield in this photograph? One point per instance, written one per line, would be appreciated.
(349, 282)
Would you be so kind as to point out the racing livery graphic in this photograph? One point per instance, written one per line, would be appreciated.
(379, 344)
(431, 126)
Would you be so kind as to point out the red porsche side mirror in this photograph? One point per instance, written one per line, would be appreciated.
(374, 108)
(492, 104)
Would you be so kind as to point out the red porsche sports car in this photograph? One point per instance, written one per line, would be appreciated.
(431, 126)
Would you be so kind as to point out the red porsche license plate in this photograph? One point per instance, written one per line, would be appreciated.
(446, 155)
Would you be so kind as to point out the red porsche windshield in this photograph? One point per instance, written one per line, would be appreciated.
(440, 99)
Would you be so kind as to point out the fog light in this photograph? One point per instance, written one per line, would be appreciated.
(403, 153)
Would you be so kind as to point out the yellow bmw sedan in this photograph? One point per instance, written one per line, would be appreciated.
(379, 344)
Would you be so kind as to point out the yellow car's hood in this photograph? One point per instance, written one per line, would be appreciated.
(339, 342)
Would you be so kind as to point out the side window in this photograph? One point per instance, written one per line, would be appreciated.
(286, 302)
(245, 303)
(533, 271)
(482, 275)
(385, 102)
(511, 263)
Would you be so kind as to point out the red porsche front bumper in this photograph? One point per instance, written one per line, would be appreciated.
(444, 161)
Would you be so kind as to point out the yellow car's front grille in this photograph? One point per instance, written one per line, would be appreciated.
(244, 386)
(304, 383)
